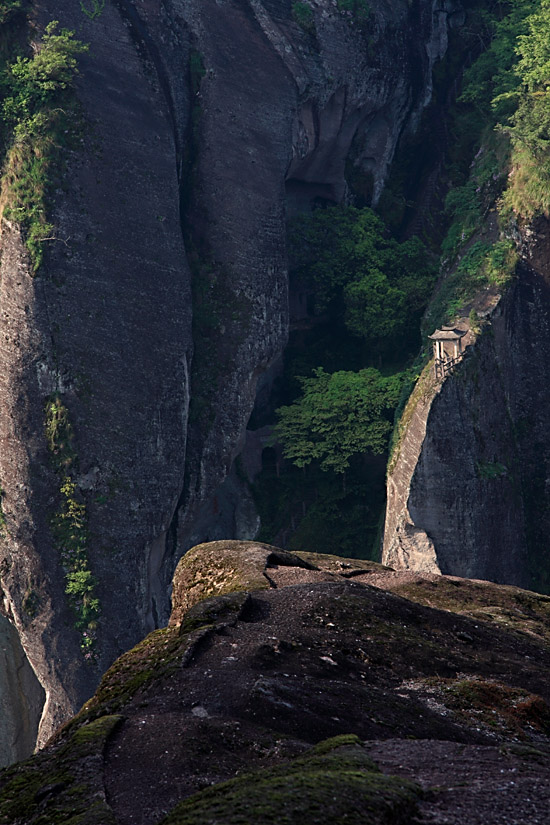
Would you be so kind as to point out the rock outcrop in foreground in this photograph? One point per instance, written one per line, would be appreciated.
(298, 693)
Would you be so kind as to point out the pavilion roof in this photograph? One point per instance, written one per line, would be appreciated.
(447, 334)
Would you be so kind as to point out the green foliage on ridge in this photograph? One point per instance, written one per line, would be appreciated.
(69, 525)
(38, 121)
(490, 83)
(509, 84)
(468, 205)
(483, 265)
(528, 192)
(491, 90)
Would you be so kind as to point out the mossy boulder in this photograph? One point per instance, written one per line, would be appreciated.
(504, 606)
(329, 786)
(63, 784)
(219, 567)
(262, 703)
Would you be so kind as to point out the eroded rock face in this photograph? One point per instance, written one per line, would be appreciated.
(106, 325)
(471, 478)
(21, 698)
(220, 567)
(284, 115)
(201, 120)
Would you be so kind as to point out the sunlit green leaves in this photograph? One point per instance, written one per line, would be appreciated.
(491, 82)
(374, 308)
(92, 8)
(9, 8)
(37, 117)
(35, 81)
(339, 415)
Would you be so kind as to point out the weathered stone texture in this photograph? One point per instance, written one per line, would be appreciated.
(406, 545)
(474, 481)
(443, 677)
(106, 322)
(284, 115)
(21, 698)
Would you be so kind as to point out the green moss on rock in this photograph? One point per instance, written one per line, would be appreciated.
(152, 658)
(159, 654)
(341, 785)
(223, 567)
(218, 610)
(509, 607)
(335, 742)
(340, 564)
(498, 705)
(61, 786)
(220, 567)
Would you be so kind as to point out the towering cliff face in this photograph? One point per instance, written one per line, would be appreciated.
(21, 698)
(202, 119)
(468, 492)
(106, 325)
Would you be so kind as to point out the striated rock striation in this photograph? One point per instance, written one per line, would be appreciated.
(284, 118)
(104, 326)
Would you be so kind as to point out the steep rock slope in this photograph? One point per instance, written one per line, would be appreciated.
(199, 119)
(250, 680)
(105, 326)
(467, 495)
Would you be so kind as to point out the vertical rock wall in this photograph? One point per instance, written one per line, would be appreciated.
(474, 484)
(106, 324)
(21, 698)
(285, 115)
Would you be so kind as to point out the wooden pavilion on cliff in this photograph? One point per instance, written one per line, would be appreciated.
(447, 349)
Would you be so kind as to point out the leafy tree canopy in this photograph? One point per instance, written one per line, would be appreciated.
(9, 8)
(32, 82)
(374, 283)
(37, 120)
(339, 415)
(523, 103)
(491, 82)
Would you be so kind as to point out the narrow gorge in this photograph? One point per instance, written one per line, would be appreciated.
(130, 357)
(154, 152)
